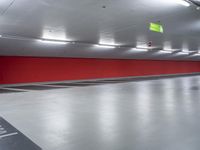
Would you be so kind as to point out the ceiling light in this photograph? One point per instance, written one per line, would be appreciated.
(104, 46)
(183, 52)
(172, 50)
(197, 54)
(194, 53)
(140, 49)
(182, 2)
(143, 47)
(166, 51)
(185, 3)
(52, 42)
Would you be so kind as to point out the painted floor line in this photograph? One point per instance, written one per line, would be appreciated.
(8, 135)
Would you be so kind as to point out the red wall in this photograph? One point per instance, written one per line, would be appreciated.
(36, 69)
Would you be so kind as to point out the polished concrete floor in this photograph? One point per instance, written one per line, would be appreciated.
(146, 115)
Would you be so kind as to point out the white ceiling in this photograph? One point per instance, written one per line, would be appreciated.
(88, 22)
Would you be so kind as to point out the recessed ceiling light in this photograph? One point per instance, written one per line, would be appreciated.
(139, 49)
(196, 54)
(104, 46)
(52, 42)
(182, 2)
(172, 50)
(143, 47)
(165, 51)
(184, 52)
(185, 3)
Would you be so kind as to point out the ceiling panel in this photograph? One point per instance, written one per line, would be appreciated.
(121, 22)
(4, 5)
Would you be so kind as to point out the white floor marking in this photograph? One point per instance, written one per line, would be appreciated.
(7, 135)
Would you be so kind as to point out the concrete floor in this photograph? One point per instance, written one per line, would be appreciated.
(147, 115)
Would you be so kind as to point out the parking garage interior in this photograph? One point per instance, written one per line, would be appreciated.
(99, 74)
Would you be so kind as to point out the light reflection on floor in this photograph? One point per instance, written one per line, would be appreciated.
(153, 114)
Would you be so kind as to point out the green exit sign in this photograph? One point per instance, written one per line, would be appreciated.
(156, 27)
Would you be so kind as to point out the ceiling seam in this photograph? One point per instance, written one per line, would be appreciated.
(4, 11)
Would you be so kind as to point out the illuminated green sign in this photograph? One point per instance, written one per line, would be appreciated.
(155, 27)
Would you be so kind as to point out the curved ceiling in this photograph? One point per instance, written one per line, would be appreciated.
(121, 23)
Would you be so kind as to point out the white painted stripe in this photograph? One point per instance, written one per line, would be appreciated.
(7, 135)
